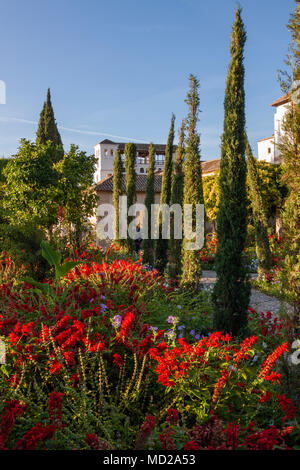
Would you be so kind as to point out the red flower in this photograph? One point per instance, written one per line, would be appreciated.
(270, 361)
(287, 406)
(191, 445)
(145, 432)
(172, 416)
(118, 360)
(220, 384)
(55, 408)
(34, 435)
(126, 324)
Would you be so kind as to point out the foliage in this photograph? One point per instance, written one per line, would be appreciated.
(75, 192)
(117, 189)
(30, 189)
(259, 215)
(161, 252)
(130, 161)
(91, 373)
(272, 189)
(47, 130)
(193, 191)
(290, 153)
(232, 289)
(148, 243)
(211, 195)
(175, 245)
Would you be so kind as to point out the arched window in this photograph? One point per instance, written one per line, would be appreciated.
(111, 153)
(142, 170)
(105, 152)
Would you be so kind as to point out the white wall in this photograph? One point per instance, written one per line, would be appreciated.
(266, 150)
(105, 154)
(278, 119)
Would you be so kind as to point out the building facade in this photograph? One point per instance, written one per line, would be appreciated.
(105, 153)
(268, 148)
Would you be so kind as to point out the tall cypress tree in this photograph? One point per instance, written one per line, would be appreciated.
(290, 154)
(175, 245)
(130, 162)
(148, 243)
(232, 289)
(47, 129)
(193, 190)
(263, 251)
(161, 253)
(117, 190)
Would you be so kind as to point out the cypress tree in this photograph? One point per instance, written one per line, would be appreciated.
(193, 190)
(162, 244)
(263, 252)
(177, 198)
(290, 154)
(148, 243)
(47, 129)
(117, 190)
(232, 289)
(130, 162)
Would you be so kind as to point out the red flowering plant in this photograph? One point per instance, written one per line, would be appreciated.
(215, 374)
(208, 252)
(89, 371)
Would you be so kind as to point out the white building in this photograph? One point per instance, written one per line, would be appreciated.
(105, 153)
(268, 148)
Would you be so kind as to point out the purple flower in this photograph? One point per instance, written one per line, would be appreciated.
(181, 327)
(172, 320)
(153, 328)
(192, 332)
(116, 321)
(197, 337)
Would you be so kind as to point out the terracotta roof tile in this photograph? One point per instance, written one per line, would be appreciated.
(141, 180)
(282, 100)
(210, 166)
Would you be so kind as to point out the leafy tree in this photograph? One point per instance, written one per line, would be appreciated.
(29, 205)
(259, 215)
(47, 129)
(3, 163)
(75, 192)
(130, 162)
(117, 189)
(211, 195)
(177, 198)
(273, 190)
(148, 243)
(31, 186)
(161, 253)
(193, 190)
(290, 153)
(232, 289)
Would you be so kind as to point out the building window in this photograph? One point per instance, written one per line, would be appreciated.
(269, 149)
(111, 153)
(142, 170)
(105, 152)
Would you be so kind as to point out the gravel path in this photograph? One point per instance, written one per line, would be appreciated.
(259, 301)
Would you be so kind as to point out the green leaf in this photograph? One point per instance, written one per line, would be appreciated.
(53, 257)
(4, 370)
(61, 271)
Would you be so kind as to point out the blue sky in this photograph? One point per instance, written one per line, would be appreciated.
(119, 68)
